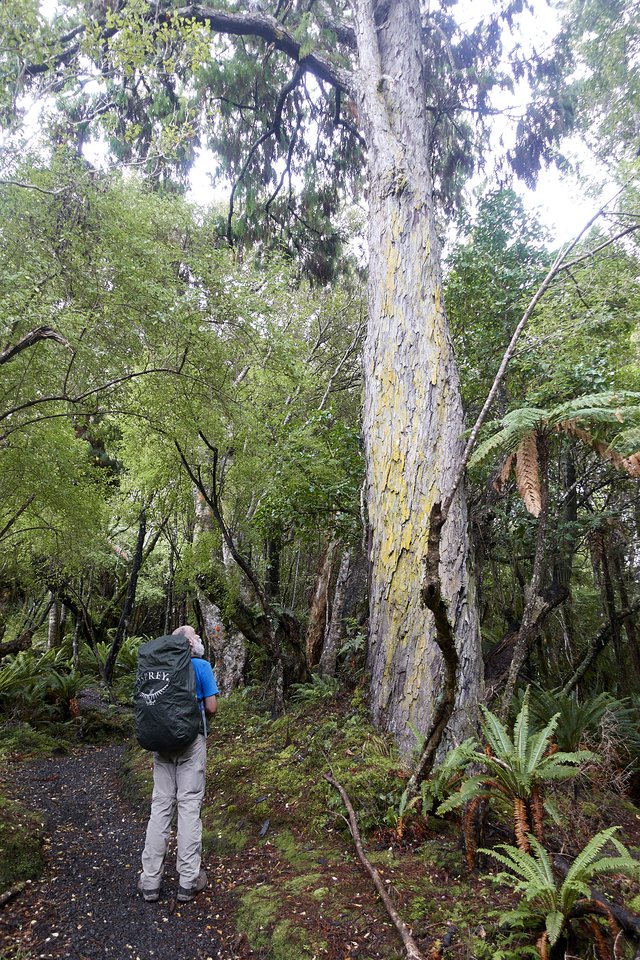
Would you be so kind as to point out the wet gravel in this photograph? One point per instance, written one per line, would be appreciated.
(86, 905)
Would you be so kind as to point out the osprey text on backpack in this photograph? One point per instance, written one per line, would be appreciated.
(167, 713)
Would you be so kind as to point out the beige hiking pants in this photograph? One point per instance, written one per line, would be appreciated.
(177, 781)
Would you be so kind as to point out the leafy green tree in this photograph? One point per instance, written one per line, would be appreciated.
(491, 274)
(604, 38)
(372, 65)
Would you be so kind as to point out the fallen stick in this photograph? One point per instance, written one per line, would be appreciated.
(11, 892)
(409, 943)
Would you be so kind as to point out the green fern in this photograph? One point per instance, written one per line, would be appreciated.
(317, 690)
(546, 903)
(598, 409)
(516, 769)
(576, 721)
(515, 425)
(444, 780)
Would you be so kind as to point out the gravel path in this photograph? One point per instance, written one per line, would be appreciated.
(86, 906)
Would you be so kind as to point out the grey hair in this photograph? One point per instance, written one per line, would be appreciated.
(197, 648)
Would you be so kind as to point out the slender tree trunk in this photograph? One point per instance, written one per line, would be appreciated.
(168, 603)
(318, 610)
(127, 608)
(601, 566)
(272, 578)
(75, 644)
(53, 633)
(413, 419)
(330, 649)
(534, 604)
(629, 624)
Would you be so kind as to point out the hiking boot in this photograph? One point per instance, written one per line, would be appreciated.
(188, 893)
(150, 895)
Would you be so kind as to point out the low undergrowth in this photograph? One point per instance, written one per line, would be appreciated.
(21, 842)
(273, 822)
(277, 845)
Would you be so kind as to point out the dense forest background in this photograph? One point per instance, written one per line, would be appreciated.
(183, 436)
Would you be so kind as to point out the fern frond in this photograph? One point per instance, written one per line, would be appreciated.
(503, 476)
(539, 742)
(499, 442)
(537, 812)
(602, 949)
(589, 854)
(496, 734)
(521, 728)
(543, 859)
(528, 474)
(625, 865)
(558, 772)
(468, 829)
(521, 824)
(471, 788)
(515, 425)
(606, 400)
(554, 924)
(628, 441)
(543, 946)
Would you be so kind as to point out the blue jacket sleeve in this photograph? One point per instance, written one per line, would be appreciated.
(206, 685)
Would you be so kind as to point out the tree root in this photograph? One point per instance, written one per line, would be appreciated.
(410, 945)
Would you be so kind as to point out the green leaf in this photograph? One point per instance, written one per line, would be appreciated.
(554, 923)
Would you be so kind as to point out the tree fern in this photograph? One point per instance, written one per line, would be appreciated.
(519, 429)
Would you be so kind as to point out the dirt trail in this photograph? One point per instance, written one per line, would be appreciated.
(86, 905)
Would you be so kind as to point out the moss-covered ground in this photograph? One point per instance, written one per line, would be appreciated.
(276, 841)
(280, 856)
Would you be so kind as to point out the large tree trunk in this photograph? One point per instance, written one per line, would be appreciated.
(413, 417)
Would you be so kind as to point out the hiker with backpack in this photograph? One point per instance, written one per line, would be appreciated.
(175, 694)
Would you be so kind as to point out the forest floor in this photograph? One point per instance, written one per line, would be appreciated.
(284, 881)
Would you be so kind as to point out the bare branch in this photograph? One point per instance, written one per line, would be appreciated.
(17, 515)
(410, 945)
(601, 246)
(103, 388)
(33, 186)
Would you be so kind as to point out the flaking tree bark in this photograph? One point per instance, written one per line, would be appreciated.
(330, 649)
(413, 418)
(318, 610)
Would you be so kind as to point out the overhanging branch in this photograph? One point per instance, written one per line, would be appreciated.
(254, 24)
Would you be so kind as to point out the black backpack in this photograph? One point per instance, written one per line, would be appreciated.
(167, 713)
